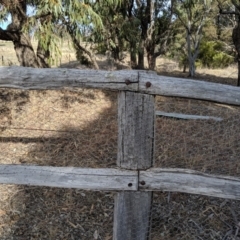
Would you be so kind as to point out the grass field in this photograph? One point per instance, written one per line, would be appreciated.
(79, 128)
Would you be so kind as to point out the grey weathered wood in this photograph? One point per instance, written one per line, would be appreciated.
(136, 118)
(187, 116)
(189, 181)
(69, 177)
(186, 88)
(136, 115)
(57, 78)
(132, 215)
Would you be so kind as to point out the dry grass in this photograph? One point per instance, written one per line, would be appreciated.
(204, 145)
(79, 128)
(58, 128)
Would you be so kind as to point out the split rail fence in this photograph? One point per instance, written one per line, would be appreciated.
(135, 178)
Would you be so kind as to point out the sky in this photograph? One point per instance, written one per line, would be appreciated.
(4, 25)
(30, 11)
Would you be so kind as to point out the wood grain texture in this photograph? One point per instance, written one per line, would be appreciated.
(133, 215)
(186, 88)
(187, 116)
(69, 177)
(136, 117)
(58, 78)
(189, 181)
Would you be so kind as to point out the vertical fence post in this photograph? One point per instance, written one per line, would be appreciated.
(136, 118)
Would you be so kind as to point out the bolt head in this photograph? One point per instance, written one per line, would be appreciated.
(127, 81)
(148, 84)
(142, 182)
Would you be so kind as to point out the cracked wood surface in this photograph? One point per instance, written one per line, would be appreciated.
(126, 80)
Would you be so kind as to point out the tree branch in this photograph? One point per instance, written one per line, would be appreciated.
(7, 35)
(228, 12)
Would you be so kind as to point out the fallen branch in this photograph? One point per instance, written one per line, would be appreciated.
(187, 116)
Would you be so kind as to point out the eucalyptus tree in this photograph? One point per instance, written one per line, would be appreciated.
(155, 18)
(160, 30)
(140, 27)
(49, 21)
(193, 15)
(231, 9)
(17, 32)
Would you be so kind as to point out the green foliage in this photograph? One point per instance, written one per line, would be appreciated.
(212, 55)
(52, 20)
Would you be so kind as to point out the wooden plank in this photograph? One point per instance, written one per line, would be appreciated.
(189, 181)
(187, 116)
(186, 88)
(58, 78)
(136, 118)
(69, 177)
(141, 81)
(136, 207)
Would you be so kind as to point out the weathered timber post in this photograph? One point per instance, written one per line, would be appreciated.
(136, 118)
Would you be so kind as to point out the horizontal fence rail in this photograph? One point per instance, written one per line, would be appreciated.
(189, 181)
(111, 179)
(70, 177)
(138, 81)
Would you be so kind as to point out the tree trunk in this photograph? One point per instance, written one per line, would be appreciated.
(238, 82)
(236, 41)
(151, 58)
(116, 50)
(116, 53)
(133, 59)
(141, 56)
(192, 68)
(25, 52)
(79, 47)
(191, 59)
(43, 56)
(22, 43)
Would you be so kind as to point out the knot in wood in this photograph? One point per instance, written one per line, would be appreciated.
(148, 84)
(127, 81)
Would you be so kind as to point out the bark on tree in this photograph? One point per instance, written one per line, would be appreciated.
(80, 48)
(141, 56)
(21, 40)
(25, 52)
(236, 41)
(133, 58)
(151, 57)
(192, 53)
(42, 56)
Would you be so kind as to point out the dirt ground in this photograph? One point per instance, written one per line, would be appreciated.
(79, 128)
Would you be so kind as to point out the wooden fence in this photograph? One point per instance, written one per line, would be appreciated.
(135, 177)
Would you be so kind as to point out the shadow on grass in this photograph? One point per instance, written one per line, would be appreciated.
(56, 213)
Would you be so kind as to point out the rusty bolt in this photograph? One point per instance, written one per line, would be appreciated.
(142, 183)
(127, 81)
(148, 84)
(130, 184)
